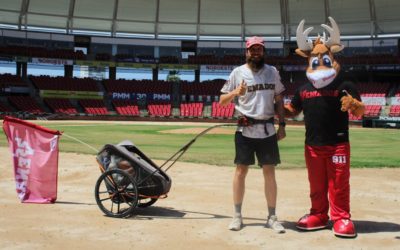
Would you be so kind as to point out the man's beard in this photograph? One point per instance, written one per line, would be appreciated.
(255, 63)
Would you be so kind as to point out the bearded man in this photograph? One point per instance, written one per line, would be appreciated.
(255, 87)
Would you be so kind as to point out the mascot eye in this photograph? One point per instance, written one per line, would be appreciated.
(314, 62)
(327, 61)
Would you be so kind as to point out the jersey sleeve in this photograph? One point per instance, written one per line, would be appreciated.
(279, 87)
(229, 84)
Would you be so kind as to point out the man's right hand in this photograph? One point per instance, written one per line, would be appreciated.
(241, 89)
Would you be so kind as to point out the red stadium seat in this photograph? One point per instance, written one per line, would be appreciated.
(94, 106)
(26, 103)
(60, 105)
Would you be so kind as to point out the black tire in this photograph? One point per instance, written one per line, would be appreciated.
(116, 188)
(147, 202)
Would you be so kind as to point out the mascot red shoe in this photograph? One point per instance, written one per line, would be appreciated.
(325, 101)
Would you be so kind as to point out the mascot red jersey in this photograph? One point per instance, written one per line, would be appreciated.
(325, 101)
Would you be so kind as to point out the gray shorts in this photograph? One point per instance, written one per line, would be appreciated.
(266, 150)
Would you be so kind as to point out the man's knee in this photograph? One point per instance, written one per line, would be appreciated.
(241, 171)
(268, 169)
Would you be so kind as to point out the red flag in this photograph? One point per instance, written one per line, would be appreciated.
(34, 151)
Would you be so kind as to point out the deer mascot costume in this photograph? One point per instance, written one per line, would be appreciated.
(325, 101)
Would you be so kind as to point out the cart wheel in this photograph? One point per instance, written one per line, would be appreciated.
(116, 193)
(147, 202)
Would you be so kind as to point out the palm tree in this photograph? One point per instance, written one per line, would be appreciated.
(173, 76)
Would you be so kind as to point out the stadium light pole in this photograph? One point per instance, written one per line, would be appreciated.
(70, 15)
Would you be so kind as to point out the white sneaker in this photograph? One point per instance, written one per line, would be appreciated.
(236, 223)
(274, 224)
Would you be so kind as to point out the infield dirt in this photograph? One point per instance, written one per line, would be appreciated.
(196, 213)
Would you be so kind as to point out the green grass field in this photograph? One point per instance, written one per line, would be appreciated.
(370, 147)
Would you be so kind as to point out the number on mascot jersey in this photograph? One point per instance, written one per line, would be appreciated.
(339, 159)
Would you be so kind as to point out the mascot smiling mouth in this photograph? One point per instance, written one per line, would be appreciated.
(321, 78)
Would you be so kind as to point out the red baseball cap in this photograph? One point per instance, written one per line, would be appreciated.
(253, 41)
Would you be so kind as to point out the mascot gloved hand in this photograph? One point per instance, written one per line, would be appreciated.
(356, 107)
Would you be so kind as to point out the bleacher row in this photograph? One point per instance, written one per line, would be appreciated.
(128, 108)
(42, 52)
(367, 89)
(125, 108)
(193, 108)
(64, 83)
(370, 111)
(121, 85)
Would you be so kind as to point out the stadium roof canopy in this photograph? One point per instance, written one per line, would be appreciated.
(201, 19)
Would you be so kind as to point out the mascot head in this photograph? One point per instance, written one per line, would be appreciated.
(322, 67)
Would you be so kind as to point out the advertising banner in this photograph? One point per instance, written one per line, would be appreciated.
(71, 94)
(178, 66)
(140, 96)
(53, 61)
(217, 68)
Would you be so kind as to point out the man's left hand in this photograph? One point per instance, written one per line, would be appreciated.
(281, 133)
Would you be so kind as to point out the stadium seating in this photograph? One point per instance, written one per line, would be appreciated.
(169, 59)
(191, 109)
(42, 52)
(127, 108)
(212, 88)
(60, 106)
(8, 80)
(203, 59)
(159, 109)
(354, 118)
(25, 103)
(368, 59)
(372, 110)
(377, 89)
(219, 111)
(233, 60)
(64, 83)
(241, 59)
(138, 86)
(394, 111)
(4, 108)
(290, 88)
(103, 57)
(94, 107)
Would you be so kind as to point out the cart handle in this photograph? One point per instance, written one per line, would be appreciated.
(180, 152)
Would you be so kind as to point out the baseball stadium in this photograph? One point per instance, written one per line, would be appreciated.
(125, 122)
